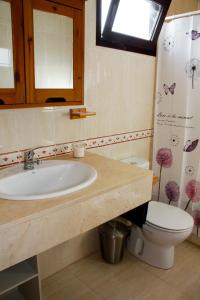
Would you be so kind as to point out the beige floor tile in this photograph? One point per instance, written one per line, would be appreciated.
(124, 281)
(56, 282)
(67, 295)
(185, 275)
(160, 291)
(93, 268)
(93, 279)
(63, 286)
(135, 283)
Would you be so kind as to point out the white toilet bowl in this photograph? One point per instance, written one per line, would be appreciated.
(165, 227)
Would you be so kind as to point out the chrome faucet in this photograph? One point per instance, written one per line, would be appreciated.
(29, 162)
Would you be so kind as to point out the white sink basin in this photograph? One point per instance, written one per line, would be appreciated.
(50, 179)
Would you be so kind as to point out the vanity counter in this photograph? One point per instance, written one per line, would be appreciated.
(28, 228)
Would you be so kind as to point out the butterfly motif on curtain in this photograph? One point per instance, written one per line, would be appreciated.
(194, 34)
(169, 89)
(190, 145)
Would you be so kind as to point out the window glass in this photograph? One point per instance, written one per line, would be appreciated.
(137, 18)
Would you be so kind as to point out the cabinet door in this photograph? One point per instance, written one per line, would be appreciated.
(12, 83)
(54, 53)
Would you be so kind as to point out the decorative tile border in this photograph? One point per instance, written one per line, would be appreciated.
(43, 152)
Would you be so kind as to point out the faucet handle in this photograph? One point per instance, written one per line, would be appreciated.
(28, 155)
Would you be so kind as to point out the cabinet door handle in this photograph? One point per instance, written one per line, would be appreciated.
(2, 102)
(55, 100)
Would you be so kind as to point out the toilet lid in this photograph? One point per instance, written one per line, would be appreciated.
(168, 217)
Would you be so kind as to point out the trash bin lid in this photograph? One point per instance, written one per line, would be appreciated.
(114, 228)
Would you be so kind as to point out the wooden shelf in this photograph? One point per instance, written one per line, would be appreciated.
(16, 275)
(12, 295)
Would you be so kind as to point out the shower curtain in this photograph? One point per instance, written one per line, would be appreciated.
(176, 151)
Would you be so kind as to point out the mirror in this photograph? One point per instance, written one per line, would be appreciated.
(53, 50)
(6, 46)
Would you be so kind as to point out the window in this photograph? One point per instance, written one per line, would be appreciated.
(131, 25)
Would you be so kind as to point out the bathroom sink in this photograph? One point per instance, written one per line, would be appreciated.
(50, 179)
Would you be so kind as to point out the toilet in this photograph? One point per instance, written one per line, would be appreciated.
(165, 227)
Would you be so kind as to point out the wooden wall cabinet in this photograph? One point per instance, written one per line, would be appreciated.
(44, 62)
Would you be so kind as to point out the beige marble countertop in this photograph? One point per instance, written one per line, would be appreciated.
(30, 227)
(111, 174)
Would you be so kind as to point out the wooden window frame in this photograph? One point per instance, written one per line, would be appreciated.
(16, 95)
(124, 42)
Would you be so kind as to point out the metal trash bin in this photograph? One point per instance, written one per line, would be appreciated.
(112, 240)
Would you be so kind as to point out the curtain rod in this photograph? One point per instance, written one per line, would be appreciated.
(189, 14)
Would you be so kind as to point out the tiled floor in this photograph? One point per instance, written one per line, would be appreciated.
(93, 279)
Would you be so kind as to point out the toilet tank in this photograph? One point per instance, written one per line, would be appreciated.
(137, 161)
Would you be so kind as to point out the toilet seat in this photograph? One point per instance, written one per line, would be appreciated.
(168, 218)
(161, 229)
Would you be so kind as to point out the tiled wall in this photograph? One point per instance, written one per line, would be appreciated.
(119, 87)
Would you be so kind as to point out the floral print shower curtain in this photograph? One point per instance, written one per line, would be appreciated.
(176, 154)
